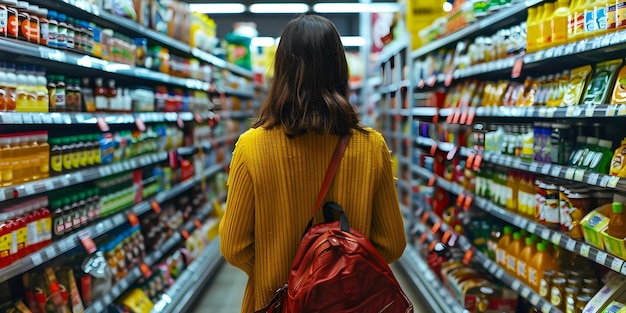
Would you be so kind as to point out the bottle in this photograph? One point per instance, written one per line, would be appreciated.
(58, 222)
(577, 152)
(619, 159)
(67, 215)
(53, 29)
(51, 86)
(589, 152)
(75, 152)
(5, 241)
(59, 94)
(512, 183)
(513, 252)
(100, 96)
(21, 102)
(541, 262)
(3, 87)
(33, 24)
(579, 23)
(67, 153)
(42, 152)
(590, 19)
(31, 90)
(31, 219)
(11, 87)
(601, 14)
(46, 224)
(82, 208)
(546, 28)
(70, 40)
(87, 95)
(62, 31)
(602, 158)
(524, 258)
(502, 246)
(23, 18)
(560, 22)
(112, 98)
(43, 99)
(532, 29)
(80, 152)
(19, 235)
(617, 223)
(44, 26)
(56, 157)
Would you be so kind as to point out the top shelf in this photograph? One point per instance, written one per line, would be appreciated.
(505, 16)
(88, 11)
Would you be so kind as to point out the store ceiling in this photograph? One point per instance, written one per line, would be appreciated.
(271, 24)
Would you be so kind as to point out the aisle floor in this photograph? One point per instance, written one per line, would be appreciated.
(224, 293)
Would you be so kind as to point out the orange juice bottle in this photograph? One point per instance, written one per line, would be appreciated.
(617, 223)
(503, 245)
(542, 261)
(513, 252)
(560, 22)
(512, 183)
(532, 30)
(524, 258)
(547, 31)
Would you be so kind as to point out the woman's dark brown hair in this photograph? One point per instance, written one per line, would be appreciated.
(310, 89)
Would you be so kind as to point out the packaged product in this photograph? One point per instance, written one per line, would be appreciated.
(490, 298)
(615, 307)
(594, 224)
(618, 163)
(578, 81)
(614, 289)
(619, 90)
(603, 77)
(66, 279)
(135, 301)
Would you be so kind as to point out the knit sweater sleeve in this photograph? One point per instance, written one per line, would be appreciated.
(237, 226)
(387, 230)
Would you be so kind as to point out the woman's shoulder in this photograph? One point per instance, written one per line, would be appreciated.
(370, 136)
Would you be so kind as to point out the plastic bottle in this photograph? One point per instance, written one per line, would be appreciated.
(619, 159)
(97, 152)
(524, 258)
(62, 32)
(113, 101)
(547, 21)
(601, 14)
(590, 18)
(512, 182)
(46, 224)
(53, 29)
(542, 261)
(513, 252)
(532, 30)
(51, 86)
(44, 26)
(100, 96)
(590, 152)
(59, 93)
(602, 158)
(43, 98)
(31, 218)
(617, 223)
(5, 241)
(67, 153)
(21, 101)
(540, 24)
(80, 152)
(579, 22)
(74, 147)
(3, 87)
(56, 157)
(502, 246)
(11, 87)
(560, 22)
(571, 20)
(58, 222)
(621, 14)
(31, 90)
(67, 215)
(577, 153)
(19, 235)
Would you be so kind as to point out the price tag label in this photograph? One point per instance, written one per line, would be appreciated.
(533, 167)
(613, 181)
(584, 250)
(145, 270)
(48, 184)
(493, 268)
(36, 259)
(534, 299)
(545, 169)
(88, 243)
(50, 253)
(184, 234)
(556, 170)
(593, 179)
(431, 181)
(65, 181)
(605, 180)
(623, 270)
(523, 223)
(545, 233)
(517, 67)
(115, 291)
(543, 112)
(569, 174)
(468, 202)
(133, 219)
(570, 111)
(571, 245)
(29, 189)
(525, 292)
(467, 257)
(579, 175)
(98, 306)
(589, 110)
(436, 227)
(601, 257)
(546, 307)
(156, 207)
(460, 199)
(610, 110)
(621, 110)
(532, 227)
(198, 224)
(499, 272)
(556, 238)
(516, 285)
(617, 264)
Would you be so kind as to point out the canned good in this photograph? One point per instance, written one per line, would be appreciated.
(546, 284)
(570, 299)
(557, 293)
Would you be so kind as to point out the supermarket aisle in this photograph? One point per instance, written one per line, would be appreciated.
(223, 294)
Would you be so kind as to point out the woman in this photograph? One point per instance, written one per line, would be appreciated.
(278, 166)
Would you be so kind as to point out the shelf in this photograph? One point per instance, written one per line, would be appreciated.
(435, 294)
(394, 87)
(135, 274)
(83, 10)
(180, 296)
(393, 49)
(100, 228)
(561, 239)
(480, 259)
(246, 94)
(84, 61)
(60, 118)
(487, 25)
(424, 112)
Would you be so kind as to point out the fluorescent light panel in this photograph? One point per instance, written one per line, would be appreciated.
(384, 7)
(353, 41)
(347, 41)
(217, 8)
(279, 8)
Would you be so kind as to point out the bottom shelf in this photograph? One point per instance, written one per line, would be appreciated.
(435, 294)
(182, 294)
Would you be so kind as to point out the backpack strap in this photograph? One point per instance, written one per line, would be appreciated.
(332, 169)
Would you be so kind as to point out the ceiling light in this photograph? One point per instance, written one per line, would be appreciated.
(353, 41)
(279, 8)
(216, 8)
(381, 7)
(263, 41)
(447, 6)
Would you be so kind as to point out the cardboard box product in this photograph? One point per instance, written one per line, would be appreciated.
(594, 224)
(614, 289)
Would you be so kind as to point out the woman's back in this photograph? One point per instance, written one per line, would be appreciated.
(285, 175)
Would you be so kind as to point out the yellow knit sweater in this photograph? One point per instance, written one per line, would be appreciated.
(273, 184)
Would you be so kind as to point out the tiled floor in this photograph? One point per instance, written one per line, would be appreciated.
(224, 292)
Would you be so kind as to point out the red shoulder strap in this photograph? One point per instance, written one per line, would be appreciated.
(332, 169)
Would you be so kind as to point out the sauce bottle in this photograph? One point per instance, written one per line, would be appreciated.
(512, 183)
(31, 91)
(113, 104)
(62, 31)
(67, 215)
(617, 223)
(44, 26)
(5, 241)
(51, 86)
(56, 156)
(524, 259)
(513, 252)
(546, 29)
(31, 218)
(100, 96)
(11, 87)
(68, 154)
(53, 29)
(46, 224)
(43, 99)
(59, 94)
(21, 101)
(76, 152)
(19, 235)
(83, 208)
(97, 152)
(58, 222)
(502, 246)
(3, 87)
(541, 262)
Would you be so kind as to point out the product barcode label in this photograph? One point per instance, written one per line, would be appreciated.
(593, 178)
(571, 245)
(556, 171)
(601, 257)
(617, 264)
(545, 169)
(584, 250)
(579, 175)
(556, 238)
(569, 174)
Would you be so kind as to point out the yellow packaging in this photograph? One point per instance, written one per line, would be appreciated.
(618, 163)
(615, 307)
(597, 91)
(615, 246)
(578, 82)
(594, 224)
(615, 288)
(137, 301)
(619, 90)
(560, 22)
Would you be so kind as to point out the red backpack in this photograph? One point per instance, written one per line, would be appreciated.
(336, 268)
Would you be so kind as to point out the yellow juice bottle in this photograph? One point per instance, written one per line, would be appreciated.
(560, 22)
(590, 18)
(502, 246)
(532, 30)
(540, 18)
(513, 252)
(524, 258)
(541, 262)
(21, 92)
(601, 15)
(512, 183)
(548, 17)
